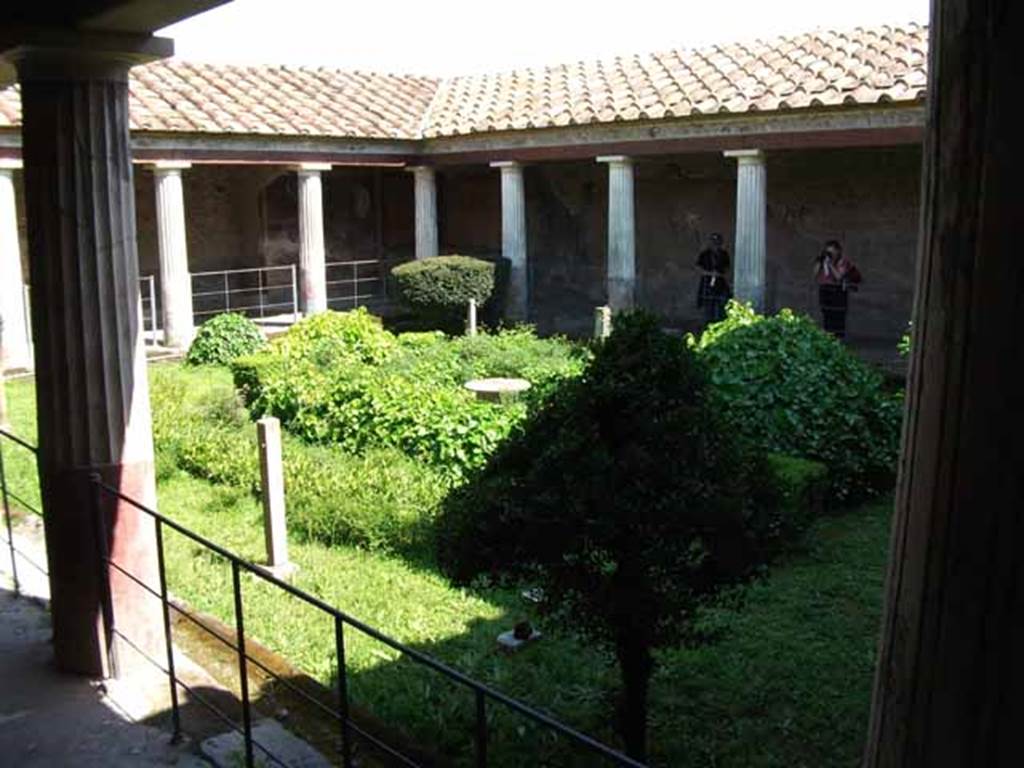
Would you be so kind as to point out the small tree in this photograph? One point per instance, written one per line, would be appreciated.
(624, 495)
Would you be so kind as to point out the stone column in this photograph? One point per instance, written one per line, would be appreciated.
(16, 351)
(949, 687)
(513, 239)
(175, 280)
(312, 259)
(751, 207)
(621, 233)
(426, 210)
(91, 390)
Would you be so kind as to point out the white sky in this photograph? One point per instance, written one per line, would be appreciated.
(443, 37)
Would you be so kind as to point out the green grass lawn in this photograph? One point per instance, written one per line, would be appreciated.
(786, 683)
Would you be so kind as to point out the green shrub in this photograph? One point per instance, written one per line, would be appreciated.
(625, 496)
(413, 400)
(903, 346)
(439, 288)
(791, 388)
(329, 337)
(796, 490)
(381, 500)
(223, 338)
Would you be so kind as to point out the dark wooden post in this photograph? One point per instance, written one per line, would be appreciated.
(950, 683)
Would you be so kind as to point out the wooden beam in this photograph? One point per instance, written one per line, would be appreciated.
(949, 689)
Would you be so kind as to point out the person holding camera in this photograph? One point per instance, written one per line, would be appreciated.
(836, 276)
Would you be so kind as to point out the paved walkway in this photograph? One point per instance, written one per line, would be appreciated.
(49, 719)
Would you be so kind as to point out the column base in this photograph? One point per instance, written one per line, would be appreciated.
(621, 294)
(83, 619)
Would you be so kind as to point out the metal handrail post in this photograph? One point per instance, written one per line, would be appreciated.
(355, 285)
(481, 729)
(227, 294)
(259, 290)
(346, 730)
(7, 521)
(295, 294)
(243, 669)
(168, 637)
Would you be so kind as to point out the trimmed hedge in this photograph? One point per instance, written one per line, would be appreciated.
(438, 289)
(797, 490)
(224, 338)
(791, 388)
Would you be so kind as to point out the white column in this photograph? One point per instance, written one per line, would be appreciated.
(175, 280)
(426, 210)
(16, 351)
(621, 233)
(312, 269)
(513, 238)
(751, 206)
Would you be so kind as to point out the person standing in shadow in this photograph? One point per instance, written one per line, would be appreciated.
(713, 291)
(836, 276)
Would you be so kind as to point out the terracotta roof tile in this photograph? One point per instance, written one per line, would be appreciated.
(823, 68)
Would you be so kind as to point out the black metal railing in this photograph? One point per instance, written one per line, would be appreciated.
(20, 498)
(340, 713)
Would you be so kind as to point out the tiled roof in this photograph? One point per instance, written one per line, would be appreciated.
(180, 96)
(863, 66)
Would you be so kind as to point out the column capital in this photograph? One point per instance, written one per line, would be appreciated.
(312, 167)
(428, 170)
(170, 166)
(615, 159)
(509, 164)
(10, 164)
(66, 55)
(745, 156)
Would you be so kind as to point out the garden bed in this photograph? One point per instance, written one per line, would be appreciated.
(786, 682)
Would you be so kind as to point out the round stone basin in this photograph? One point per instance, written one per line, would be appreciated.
(497, 390)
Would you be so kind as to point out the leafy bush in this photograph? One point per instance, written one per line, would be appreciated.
(793, 499)
(439, 288)
(382, 500)
(903, 346)
(329, 337)
(791, 388)
(223, 338)
(627, 492)
(412, 399)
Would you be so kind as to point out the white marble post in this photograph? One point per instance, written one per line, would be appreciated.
(425, 180)
(175, 280)
(751, 221)
(275, 531)
(312, 258)
(621, 233)
(16, 350)
(513, 239)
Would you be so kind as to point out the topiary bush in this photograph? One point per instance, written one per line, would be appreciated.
(626, 496)
(438, 289)
(791, 388)
(223, 338)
